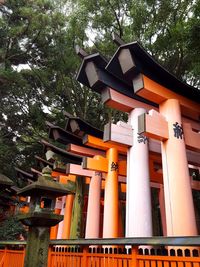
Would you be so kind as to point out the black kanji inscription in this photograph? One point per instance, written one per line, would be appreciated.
(142, 139)
(114, 166)
(178, 130)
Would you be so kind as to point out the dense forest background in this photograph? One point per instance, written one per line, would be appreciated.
(38, 62)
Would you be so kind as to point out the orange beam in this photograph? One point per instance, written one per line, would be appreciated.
(157, 93)
(92, 141)
(95, 164)
(101, 165)
(124, 103)
(88, 152)
(121, 102)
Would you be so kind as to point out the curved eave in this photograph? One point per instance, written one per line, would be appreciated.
(145, 64)
(104, 78)
(81, 75)
(60, 135)
(70, 158)
(85, 127)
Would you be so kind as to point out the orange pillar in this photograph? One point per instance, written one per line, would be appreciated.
(180, 216)
(110, 220)
(67, 216)
(54, 229)
(93, 209)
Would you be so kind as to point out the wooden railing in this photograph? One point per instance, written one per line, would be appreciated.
(12, 253)
(121, 252)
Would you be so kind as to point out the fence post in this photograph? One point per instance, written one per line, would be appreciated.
(134, 253)
(49, 262)
(5, 263)
(24, 252)
(85, 256)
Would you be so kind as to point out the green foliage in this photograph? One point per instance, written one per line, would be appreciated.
(37, 68)
(169, 30)
(11, 229)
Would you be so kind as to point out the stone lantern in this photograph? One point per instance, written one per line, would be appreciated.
(41, 216)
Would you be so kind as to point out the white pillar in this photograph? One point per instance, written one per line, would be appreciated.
(138, 207)
(61, 224)
(94, 205)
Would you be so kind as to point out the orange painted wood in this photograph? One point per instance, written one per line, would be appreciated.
(100, 144)
(67, 216)
(112, 260)
(192, 139)
(158, 93)
(101, 165)
(54, 229)
(88, 152)
(155, 176)
(124, 103)
(77, 170)
(181, 264)
(166, 264)
(194, 124)
(121, 102)
(63, 179)
(111, 214)
(122, 167)
(153, 263)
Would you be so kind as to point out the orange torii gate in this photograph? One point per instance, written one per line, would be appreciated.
(113, 167)
(166, 126)
(134, 68)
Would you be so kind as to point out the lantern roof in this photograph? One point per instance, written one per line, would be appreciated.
(45, 186)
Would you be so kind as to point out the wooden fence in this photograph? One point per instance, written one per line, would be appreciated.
(127, 252)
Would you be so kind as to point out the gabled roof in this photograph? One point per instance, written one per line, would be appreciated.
(146, 64)
(60, 135)
(69, 157)
(102, 78)
(80, 127)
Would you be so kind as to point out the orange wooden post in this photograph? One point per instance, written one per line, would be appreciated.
(49, 263)
(110, 221)
(134, 253)
(54, 229)
(112, 167)
(85, 256)
(67, 216)
(180, 214)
